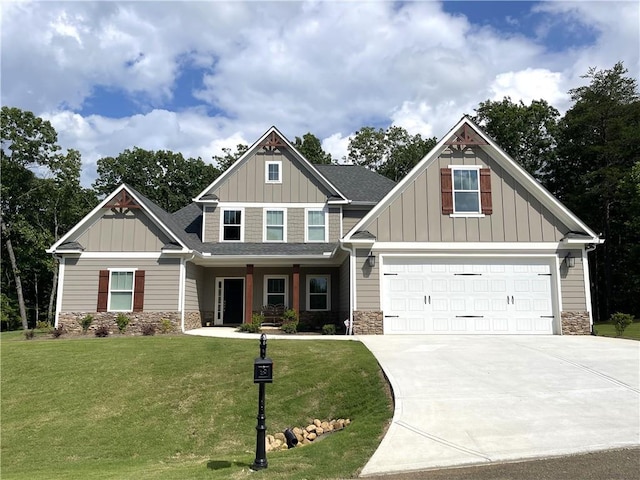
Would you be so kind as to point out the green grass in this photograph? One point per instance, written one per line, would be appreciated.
(632, 332)
(181, 407)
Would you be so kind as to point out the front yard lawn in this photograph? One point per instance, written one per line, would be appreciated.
(181, 407)
(608, 330)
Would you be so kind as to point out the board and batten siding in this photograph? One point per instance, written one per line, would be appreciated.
(254, 224)
(131, 231)
(162, 282)
(367, 281)
(247, 183)
(572, 284)
(416, 214)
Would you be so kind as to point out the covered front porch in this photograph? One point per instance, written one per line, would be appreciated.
(231, 295)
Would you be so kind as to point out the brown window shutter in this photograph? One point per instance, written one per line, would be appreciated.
(138, 291)
(485, 191)
(446, 187)
(103, 291)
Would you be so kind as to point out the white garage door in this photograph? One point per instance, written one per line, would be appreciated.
(467, 297)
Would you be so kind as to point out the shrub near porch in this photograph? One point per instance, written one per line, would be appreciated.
(176, 407)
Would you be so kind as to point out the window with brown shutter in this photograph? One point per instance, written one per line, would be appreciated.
(103, 290)
(138, 292)
(485, 191)
(447, 191)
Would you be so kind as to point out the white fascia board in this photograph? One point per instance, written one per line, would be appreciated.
(461, 247)
(361, 241)
(184, 251)
(339, 202)
(121, 255)
(64, 252)
(583, 241)
(270, 205)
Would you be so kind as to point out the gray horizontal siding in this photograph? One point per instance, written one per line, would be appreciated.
(572, 285)
(367, 281)
(162, 282)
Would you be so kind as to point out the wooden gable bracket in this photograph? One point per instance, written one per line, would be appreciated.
(272, 142)
(121, 202)
(465, 138)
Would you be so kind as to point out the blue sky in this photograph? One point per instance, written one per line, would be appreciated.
(196, 77)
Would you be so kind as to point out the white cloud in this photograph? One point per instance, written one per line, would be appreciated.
(325, 67)
(530, 84)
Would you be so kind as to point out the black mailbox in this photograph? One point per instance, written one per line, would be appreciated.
(263, 370)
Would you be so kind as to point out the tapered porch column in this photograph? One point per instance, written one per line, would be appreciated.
(296, 288)
(248, 296)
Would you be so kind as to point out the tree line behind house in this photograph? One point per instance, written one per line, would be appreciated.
(589, 158)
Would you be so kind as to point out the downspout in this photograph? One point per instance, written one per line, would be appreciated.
(352, 289)
(183, 282)
(61, 265)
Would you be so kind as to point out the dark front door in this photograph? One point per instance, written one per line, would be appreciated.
(233, 301)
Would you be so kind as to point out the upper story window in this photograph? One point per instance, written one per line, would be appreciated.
(232, 230)
(273, 172)
(275, 221)
(466, 190)
(316, 225)
(121, 291)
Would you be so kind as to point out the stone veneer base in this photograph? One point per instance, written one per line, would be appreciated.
(71, 321)
(367, 323)
(575, 323)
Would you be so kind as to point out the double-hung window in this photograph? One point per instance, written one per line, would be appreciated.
(275, 290)
(318, 292)
(316, 225)
(232, 225)
(275, 221)
(273, 172)
(121, 290)
(466, 189)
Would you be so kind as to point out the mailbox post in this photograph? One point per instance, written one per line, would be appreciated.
(262, 374)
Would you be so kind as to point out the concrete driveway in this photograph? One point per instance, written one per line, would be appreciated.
(479, 399)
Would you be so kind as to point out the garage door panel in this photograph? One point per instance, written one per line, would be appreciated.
(433, 296)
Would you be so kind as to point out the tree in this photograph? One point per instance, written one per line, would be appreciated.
(392, 152)
(229, 158)
(41, 196)
(311, 148)
(598, 148)
(526, 132)
(165, 177)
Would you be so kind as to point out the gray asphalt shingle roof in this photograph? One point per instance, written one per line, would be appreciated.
(357, 183)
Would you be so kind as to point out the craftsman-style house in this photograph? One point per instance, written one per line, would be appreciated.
(467, 242)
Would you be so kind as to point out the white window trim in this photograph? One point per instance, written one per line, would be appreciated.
(306, 224)
(133, 287)
(266, 171)
(328, 277)
(455, 214)
(284, 224)
(242, 220)
(266, 285)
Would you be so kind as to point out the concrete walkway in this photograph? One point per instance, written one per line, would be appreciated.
(465, 400)
(477, 400)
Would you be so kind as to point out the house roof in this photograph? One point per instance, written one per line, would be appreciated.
(357, 183)
(505, 161)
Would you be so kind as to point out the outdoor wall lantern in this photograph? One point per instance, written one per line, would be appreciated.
(570, 260)
(371, 260)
